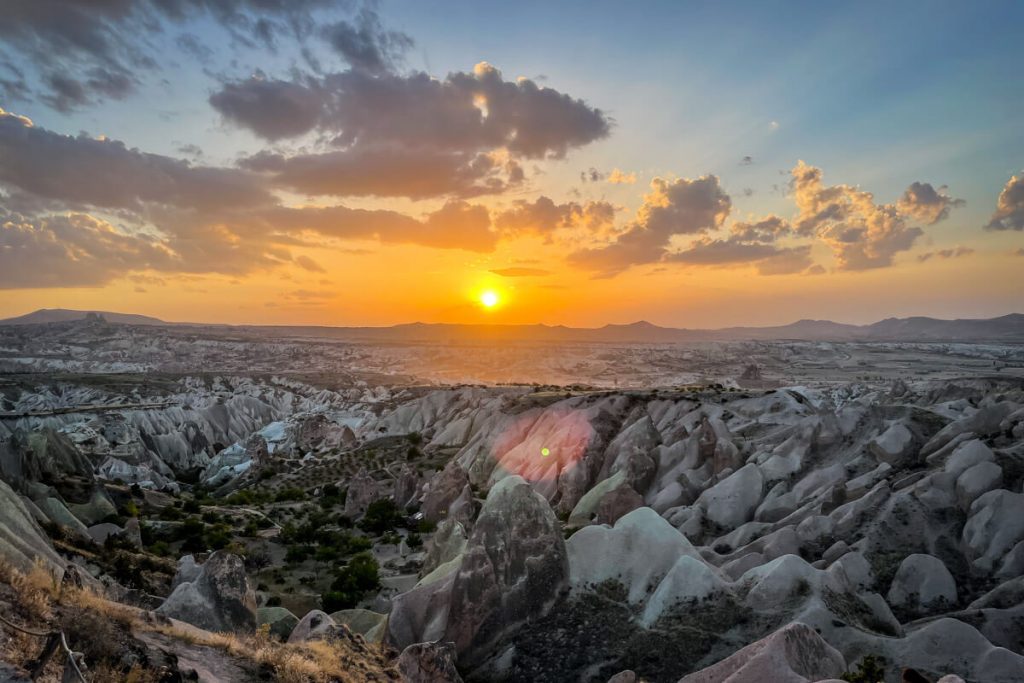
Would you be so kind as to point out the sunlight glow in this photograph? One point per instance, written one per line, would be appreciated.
(489, 298)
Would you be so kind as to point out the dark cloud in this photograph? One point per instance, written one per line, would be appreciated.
(521, 272)
(272, 109)
(543, 216)
(173, 216)
(88, 50)
(365, 44)
(673, 207)
(746, 161)
(466, 112)
(106, 173)
(457, 225)
(384, 171)
(749, 243)
(924, 203)
(591, 175)
(1009, 214)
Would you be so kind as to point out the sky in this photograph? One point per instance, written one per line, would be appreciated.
(336, 162)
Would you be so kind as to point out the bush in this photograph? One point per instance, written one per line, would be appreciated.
(381, 516)
(414, 540)
(354, 580)
(871, 669)
(289, 494)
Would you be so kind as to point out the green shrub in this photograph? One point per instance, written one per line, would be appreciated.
(381, 516)
(871, 669)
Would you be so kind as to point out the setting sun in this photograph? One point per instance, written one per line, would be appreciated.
(489, 298)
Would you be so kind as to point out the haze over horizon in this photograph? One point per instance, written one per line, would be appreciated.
(350, 164)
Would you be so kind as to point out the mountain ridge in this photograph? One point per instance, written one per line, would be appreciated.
(1006, 328)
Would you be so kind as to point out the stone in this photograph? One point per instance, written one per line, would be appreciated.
(101, 532)
(732, 501)
(280, 620)
(362, 490)
(921, 582)
(96, 510)
(432, 662)
(445, 487)
(617, 503)
(994, 526)
(22, 541)
(219, 598)
(976, 480)
(316, 625)
(361, 621)
(793, 654)
(62, 517)
(499, 585)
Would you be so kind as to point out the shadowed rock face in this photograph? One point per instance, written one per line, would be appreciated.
(515, 568)
(429, 663)
(792, 654)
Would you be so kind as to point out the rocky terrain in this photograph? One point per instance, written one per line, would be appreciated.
(234, 507)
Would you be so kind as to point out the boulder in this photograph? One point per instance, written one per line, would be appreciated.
(792, 654)
(96, 510)
(732, 501)
(280, 620)
(361, 621)
(362, 490)
(976, 480)
(448, 543)
(22, 541)
(995, 525)
(188, 570)
(62, 517)
(894, 445)
(101, 532)
(922, 582)
(406, 486)
(514, 569)
(585, 511)
(316, 625)
(219, 598)
(428, 663)
(617, 503)
(445, 487)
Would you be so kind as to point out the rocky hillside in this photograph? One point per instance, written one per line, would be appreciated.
(803, 533)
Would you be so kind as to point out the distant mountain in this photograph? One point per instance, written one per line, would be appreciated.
(1007, 328)
(63, 315)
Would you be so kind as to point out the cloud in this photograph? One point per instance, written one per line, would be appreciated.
(617, 177)
(86, 51)
(746, 161)
(103, 172)
(457, 225)
(923, 202)
(672, 207)
(956, 252)
(1009, 214)
(521, 272)
(465, 112)
(386, 171)
(179, 217)
(306, 263)
(591, 175)
(365, 44)
(749, 243)
(75, 250)
(543, 216)
(273, 109)
(861, 233)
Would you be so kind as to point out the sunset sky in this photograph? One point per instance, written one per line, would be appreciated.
(694, 164)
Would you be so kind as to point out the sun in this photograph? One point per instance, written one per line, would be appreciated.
(489, 298)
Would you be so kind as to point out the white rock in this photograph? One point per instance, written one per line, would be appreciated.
(976, 480)
(922, 581)
(994, 526)
(732, 502)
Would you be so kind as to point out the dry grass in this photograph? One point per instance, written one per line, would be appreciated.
(40, 600)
